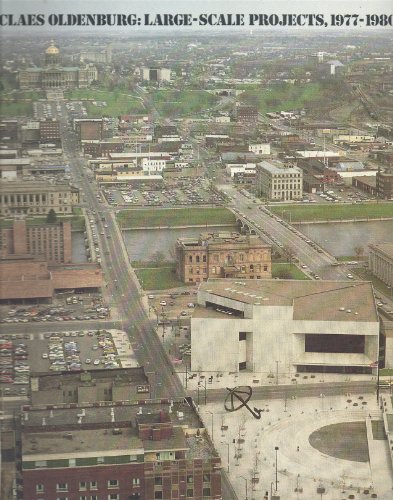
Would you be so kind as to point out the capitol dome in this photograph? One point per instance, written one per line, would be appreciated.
(52, 49)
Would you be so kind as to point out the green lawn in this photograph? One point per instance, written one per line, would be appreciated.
(18, 108)
(287, 271)
(160, 278)
(283, 97)
(174, 217)
(138, 264)
(334, 212)
(287, 96)
(117, 101)
(182, 102)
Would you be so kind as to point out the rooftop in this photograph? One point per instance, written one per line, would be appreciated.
(385, 248)
(277, 167)
(311, 300)
(118, 376)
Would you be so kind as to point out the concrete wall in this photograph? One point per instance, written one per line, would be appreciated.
(274, 336)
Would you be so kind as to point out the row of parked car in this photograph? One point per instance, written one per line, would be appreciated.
(14, 368)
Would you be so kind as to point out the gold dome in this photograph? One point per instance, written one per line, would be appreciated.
(52, 49)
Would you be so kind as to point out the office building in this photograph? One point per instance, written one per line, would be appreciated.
(50, 241)
(277, 181)
(36, 197)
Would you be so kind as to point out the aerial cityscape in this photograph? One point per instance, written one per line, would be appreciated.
(196, 265)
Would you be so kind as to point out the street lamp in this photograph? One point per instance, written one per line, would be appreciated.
(224, 442)
(212, 415)
(245, 479)
(277, 372)
(276, 450)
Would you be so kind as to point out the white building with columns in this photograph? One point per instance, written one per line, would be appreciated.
(381, 262)
(298, 326)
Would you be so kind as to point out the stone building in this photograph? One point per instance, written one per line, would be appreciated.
(37, 197)
(381, 262)
(278, 181)
(54, 75)
(222, 255)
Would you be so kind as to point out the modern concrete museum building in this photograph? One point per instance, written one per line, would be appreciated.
(286, 325)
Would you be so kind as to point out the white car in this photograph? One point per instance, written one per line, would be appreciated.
(162, 303)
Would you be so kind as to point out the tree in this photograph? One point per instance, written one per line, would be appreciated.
(158, 257)
(359, 250)
(51, 218)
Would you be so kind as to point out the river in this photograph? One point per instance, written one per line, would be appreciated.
(341, 239)
(338, 239)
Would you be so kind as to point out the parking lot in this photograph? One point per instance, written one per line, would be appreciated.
(71, 350)
(66, 307)
(180, 191)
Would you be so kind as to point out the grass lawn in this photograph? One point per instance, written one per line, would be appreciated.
(159, 278)
(280, 270)
(174, 217)
(182, 102)
(283, 97)
(346, 441)
(117, 101)
(334, 212)
(140, 264)
(18, 108)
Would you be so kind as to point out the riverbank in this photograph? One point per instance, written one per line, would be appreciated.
(171, 218)
(338, 212)
(336, 221)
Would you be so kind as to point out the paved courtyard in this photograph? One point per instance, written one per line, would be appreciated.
(247, 447)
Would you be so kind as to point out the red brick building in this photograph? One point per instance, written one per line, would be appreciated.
(50, 131)
(384, 184)
(26, 278)
(50, 241)
(89, 129)
(222, 255)
(118, 451)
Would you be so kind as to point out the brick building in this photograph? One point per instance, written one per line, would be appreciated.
(222, 255)
(384, 184)
(146, 451)
(51, 241)
(50, 131)
(89, 129)
(28, 278)
(246, 114)
(37, 197)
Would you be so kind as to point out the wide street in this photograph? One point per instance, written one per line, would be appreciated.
(250, 213)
